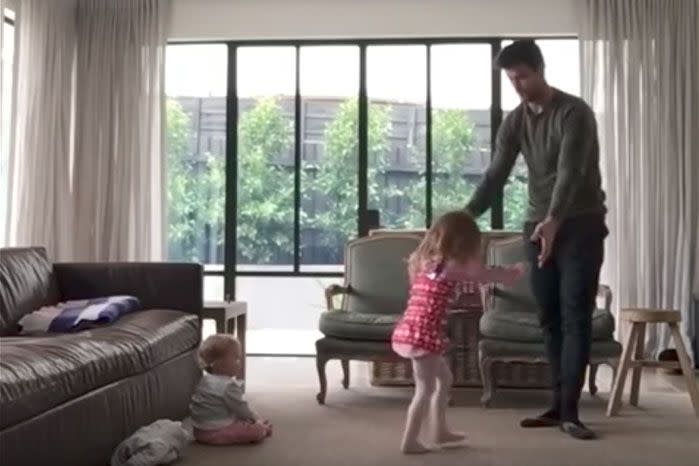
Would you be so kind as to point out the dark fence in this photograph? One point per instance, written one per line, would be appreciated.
(408, 127)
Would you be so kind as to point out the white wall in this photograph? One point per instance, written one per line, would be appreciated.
(295, 19)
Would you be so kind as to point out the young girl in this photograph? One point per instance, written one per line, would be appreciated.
(449, 254)
(220, 415)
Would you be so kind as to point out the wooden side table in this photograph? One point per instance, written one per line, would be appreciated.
(231, 318)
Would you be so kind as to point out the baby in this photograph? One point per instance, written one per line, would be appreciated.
(220, 414)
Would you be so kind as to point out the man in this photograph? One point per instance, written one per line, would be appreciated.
(565, 227)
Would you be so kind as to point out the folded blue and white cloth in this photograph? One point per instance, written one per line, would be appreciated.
(76, 315)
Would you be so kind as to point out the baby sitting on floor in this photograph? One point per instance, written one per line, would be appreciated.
(220, 415)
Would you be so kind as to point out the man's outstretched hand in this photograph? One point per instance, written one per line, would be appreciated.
(545, 234)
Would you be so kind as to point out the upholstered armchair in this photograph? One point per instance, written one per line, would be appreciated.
(510, 330)
(371, 301)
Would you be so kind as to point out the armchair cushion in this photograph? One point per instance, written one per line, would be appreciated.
(514, 349)
(358, 325)
(523, 326)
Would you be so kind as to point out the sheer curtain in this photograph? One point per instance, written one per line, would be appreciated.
(5, 69)
(88, 153)
(39, 201)
(118, 168)
(640, 71)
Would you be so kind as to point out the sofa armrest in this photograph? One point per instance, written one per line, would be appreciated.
(160, 285)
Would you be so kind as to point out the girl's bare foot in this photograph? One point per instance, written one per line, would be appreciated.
(413, 448)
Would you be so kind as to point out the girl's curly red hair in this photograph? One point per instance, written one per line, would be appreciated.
(453, 237)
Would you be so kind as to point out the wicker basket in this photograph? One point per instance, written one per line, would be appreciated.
(522, 375)
(463, 358)
(392, 374)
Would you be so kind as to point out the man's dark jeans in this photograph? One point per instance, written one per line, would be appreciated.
(566, 289)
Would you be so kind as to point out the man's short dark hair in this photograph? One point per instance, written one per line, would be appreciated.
(521, 52)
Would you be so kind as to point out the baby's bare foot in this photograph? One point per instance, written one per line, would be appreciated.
(413, 448)
(449, 437)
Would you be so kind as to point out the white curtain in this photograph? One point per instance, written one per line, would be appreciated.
(640, 72)
(89, 128)
(5, 65)
(40, 204)
(119, 108)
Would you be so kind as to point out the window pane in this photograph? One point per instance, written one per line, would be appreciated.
(195, 83)
(213, 288)
(266, 88)
(562, 71)
(8, 47)
(329, 114)
(283, 312)
(396, 87)
(461, 99)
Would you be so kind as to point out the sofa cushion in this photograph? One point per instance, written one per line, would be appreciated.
(27, 283)
(523, 325)
(358, 326)
(38, 373)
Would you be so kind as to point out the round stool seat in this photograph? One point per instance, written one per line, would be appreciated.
(650, 315)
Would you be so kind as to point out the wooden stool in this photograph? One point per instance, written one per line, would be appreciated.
(632, 356)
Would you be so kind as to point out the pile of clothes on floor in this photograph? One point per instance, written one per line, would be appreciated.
(162, 442)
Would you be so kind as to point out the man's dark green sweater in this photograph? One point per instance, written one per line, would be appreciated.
(561, 149)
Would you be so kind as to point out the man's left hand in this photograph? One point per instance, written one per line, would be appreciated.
(545, 234)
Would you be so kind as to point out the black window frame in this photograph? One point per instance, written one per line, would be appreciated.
(230, 272)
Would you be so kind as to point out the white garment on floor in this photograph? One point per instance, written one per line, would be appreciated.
(161, 442)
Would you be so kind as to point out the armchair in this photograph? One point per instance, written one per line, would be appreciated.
(373, 298)
(510, 330)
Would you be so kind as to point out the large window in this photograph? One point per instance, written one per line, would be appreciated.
(461, 102)
(329, 87)
(283, 312)
(562, 71)
(8, 48)
(195, 84)
(312, 136)
(396, 88)
(266, 78)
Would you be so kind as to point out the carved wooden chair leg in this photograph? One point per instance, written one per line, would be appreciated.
(486, 366)
(592, 379)
(321, 361)
(345, 373)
